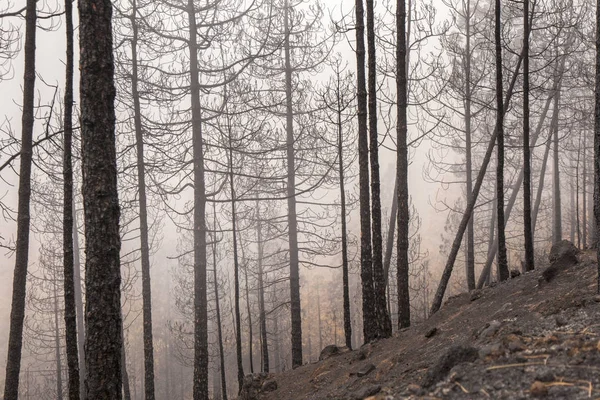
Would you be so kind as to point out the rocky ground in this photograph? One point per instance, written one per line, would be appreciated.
(521, 339)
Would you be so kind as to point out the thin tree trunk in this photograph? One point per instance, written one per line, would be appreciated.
(577, 224)
(200, 391)
(540, 189)
(144, 242)
(79, 305)
(236, 269)
(584, 221)
(556, 201)
(250, 333)
(529, 251)
(597, 142)
(68, 226)
(261, 293)
(218, 308)
(319, 319)
(346, 287)
(470, 259)
(59, 394)
(366, 260)
(103, 341)
(126, 386)
(402, 169)
(384, 325)
(17, 313)
(296, 314)
(502, 260)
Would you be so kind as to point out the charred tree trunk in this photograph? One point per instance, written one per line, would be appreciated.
(529, 262)
(250, 334)
(103, 341)
(556, 201)
(59, 394)
(218, 309)
(144, 242)
(296, 315)
(366, 260)
(402, 168)
(261, 293)
(68, 226)
(79, 305)
(17, 312)
(502, 260)
(200, 391)
(384, 325)
(597, 141)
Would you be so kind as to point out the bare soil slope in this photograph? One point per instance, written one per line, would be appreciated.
(519, 339)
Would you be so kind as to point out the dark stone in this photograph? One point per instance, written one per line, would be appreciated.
(454, 356)
(491, 329)
(365, 370)
(365, 392)
(564, 248)
(515, 273)
(475, 294)
(269, 385)
(329, 351)
(432, 332)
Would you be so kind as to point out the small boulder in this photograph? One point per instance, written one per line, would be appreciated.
(329, 351)
(365, 392)
(562, 256)
(431, 332)
(454, 356)
(365, 370)
(269, 385)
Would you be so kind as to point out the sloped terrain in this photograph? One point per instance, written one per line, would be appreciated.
(519, 339)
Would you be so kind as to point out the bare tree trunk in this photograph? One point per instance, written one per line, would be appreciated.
(250, 333)
(384, 325)
(17, 312)
(577, 224)
(402, 168)
(103, 342)
(584, 221)
(597, 142)
(200, 391)
(126, 386)
(261, 293)
(502, 260)
(366, 260)
(529, 251)
(59, 394)
(296, 315)
(79, 305)
(540, 189)
(218, 309)
(144, 242)
(556, 201)
(470, 259)
(68, 226)
(319, 319)
(346, 288)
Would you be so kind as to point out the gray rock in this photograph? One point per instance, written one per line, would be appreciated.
(365, 392)
(329, 351)
(365, 370)
(454, 356)
(431, 332)
(491, 329)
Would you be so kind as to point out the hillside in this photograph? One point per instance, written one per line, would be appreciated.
(519, 339)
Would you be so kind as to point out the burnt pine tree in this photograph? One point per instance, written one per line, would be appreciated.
(68, 262)
(597, 140)
(103, 341)
(529, 265)
(502, 261)
(144, 242)
(402, 168)
(384, 324)
(366, 259)
(17, 312)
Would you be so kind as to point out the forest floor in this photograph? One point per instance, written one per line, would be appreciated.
(519, 339)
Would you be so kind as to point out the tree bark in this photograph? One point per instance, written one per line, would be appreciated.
(200, 390)
(68, 226)
(296, 315)
(79, 305)
(17, 312)
(556, 201)
(402, 169)
(366, 260)
(144, 242)
(59, 394)
(384, 325)
(218, 310)
(261, 293)
(103, 341)
(597, 141)
(502, 260)
(529, 261)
